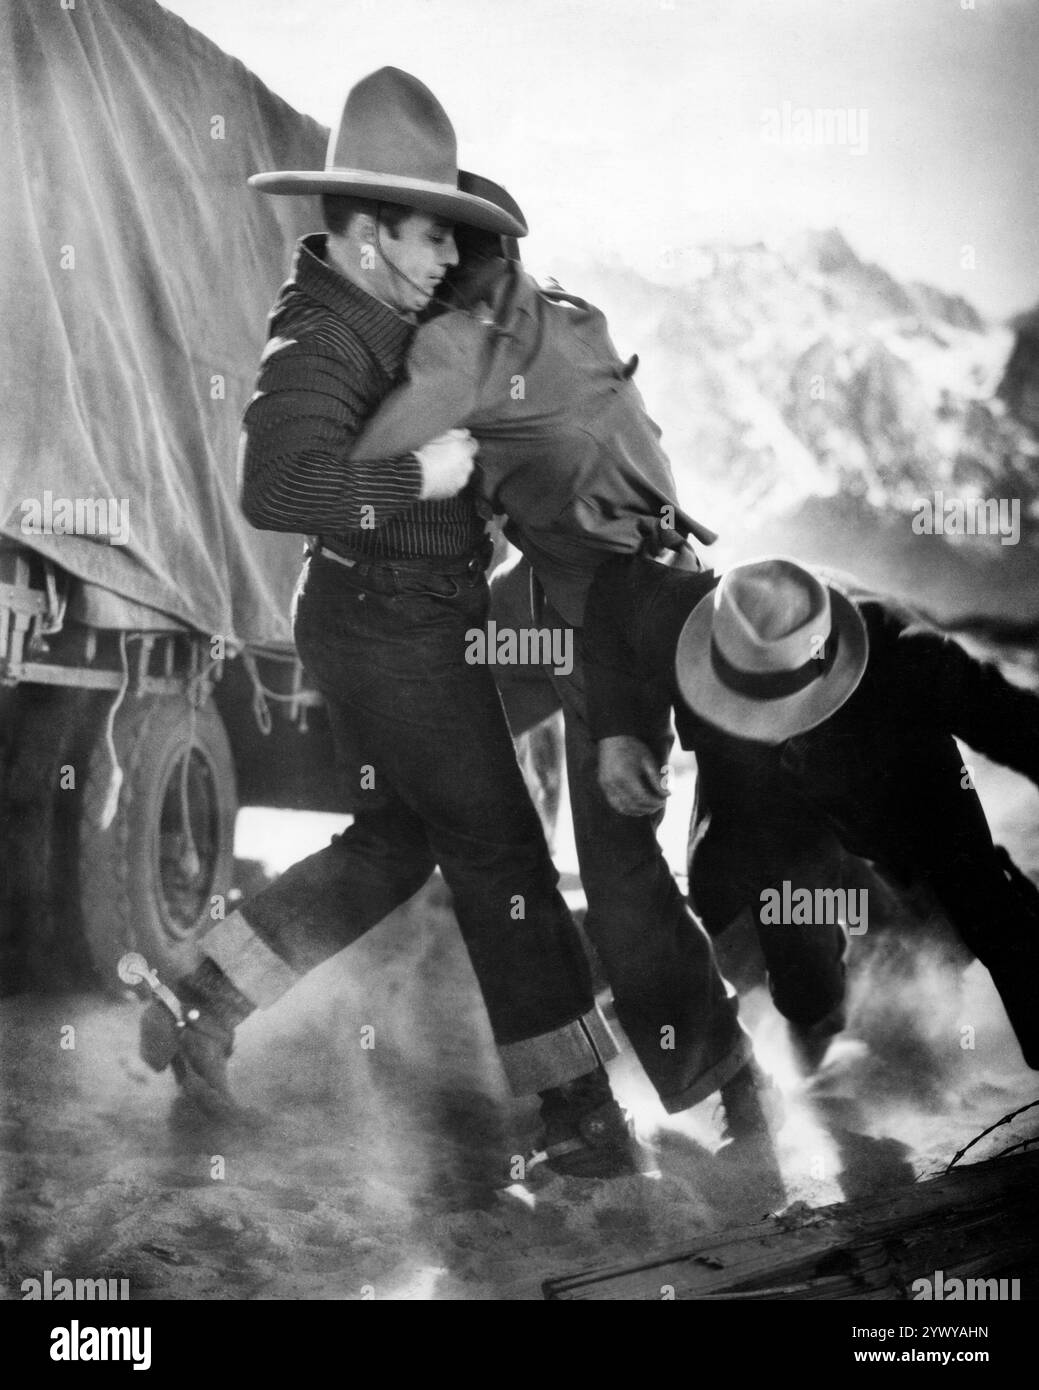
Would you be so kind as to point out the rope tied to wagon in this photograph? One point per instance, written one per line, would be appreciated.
(110, 802)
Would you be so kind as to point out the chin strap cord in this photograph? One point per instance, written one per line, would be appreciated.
(394, 268)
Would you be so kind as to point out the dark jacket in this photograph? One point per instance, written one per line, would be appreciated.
(567, 449)
(856, 770)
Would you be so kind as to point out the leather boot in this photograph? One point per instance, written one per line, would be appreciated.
(587, 1134)
(752, 1110)
(199, 1052)
(811, 1043)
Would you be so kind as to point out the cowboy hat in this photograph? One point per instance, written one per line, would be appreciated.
(395, 144)
(771, 652)
(494, 193)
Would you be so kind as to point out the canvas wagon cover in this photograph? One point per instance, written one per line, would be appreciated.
(137, 273)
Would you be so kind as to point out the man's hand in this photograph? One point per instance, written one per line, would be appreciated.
(632, 780)
(447, 462)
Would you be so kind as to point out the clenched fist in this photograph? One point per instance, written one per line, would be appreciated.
(447, 462)
(632, 780)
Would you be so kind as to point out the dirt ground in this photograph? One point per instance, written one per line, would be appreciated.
(383, 1172)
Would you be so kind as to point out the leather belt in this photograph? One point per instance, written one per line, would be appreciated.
(472, 564)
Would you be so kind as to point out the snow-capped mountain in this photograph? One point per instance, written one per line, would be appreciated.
(801, 372)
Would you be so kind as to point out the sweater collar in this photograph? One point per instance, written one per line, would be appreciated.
(384, 331)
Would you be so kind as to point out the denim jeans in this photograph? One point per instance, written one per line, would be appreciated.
(430, 771)
(680, 1016)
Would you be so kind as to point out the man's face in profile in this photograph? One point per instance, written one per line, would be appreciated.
(422, 251)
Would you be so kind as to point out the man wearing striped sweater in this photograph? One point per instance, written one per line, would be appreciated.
(393, 582)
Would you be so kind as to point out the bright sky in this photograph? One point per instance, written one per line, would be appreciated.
(638, 128)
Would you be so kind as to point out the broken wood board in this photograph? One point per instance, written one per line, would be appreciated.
(979, 1221)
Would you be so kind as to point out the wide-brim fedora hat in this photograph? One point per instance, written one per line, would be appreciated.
(771, 652)
(395, 144)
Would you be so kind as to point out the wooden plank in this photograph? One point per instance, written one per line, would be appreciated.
(980, 1221)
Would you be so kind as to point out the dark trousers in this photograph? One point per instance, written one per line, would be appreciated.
(680, 1017)
(430, 772)
(733, 863)
(671, 1001)
(920, 824)
(941, 835)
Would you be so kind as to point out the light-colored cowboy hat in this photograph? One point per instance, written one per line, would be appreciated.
(395, 143)
(771, 652)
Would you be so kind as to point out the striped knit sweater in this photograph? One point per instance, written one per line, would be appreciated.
(333, 353)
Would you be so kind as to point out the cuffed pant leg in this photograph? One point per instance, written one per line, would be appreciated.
(551, 1059)
(322, 904)
(679, 1015)
(432, 726)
